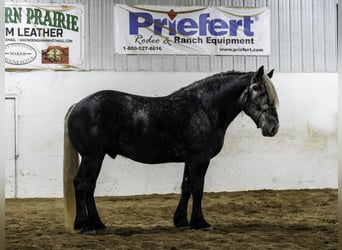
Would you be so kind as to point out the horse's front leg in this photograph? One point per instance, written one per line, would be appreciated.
(180, 217)
(197, 170)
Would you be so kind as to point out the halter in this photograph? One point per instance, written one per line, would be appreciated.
(259, 108)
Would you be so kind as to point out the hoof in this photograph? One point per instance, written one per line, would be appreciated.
(78, 225)
(207, 229)
(94, 231)
(201, 225)
(90, 228)
(88, 232)
(183, 227)
(182, 224)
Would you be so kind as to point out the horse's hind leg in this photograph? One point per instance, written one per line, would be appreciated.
(87, 219)
(180, 217)
(93, 216)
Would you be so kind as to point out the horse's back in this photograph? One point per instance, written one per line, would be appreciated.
(122, 123)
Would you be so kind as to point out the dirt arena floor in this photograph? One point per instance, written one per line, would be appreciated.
(305, 219)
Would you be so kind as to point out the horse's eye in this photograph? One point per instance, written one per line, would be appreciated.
(255, 88)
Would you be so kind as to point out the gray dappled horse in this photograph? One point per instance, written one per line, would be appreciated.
(187, 126)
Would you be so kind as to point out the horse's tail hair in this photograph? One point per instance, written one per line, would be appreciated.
(70, 167)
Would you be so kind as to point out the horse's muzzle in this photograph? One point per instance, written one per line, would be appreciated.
(269, 124)
(270, 130)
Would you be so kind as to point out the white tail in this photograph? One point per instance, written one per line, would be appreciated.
(70, 167)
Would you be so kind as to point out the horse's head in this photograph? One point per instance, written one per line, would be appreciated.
(260, 100)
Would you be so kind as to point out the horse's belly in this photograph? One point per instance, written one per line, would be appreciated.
(152, 157)
(152, 154)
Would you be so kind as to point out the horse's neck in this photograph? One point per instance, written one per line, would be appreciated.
(226, 100)
(220, 95)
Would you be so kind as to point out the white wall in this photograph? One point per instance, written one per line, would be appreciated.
(302, 155)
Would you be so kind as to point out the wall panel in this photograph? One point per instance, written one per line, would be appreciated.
(330, 35)
(303, 38)
(295, 36)
(318, 35)
(307, 36)
(274, 57)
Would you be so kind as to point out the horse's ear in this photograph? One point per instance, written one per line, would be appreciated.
(270, 74)
(258, 75)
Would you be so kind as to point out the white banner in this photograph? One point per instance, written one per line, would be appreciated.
(191, 30)
(40, 36)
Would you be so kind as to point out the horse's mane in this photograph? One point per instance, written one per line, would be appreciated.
(217, 78)
(271, 91)
(223, 75)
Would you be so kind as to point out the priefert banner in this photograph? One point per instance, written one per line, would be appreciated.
(191, 30)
